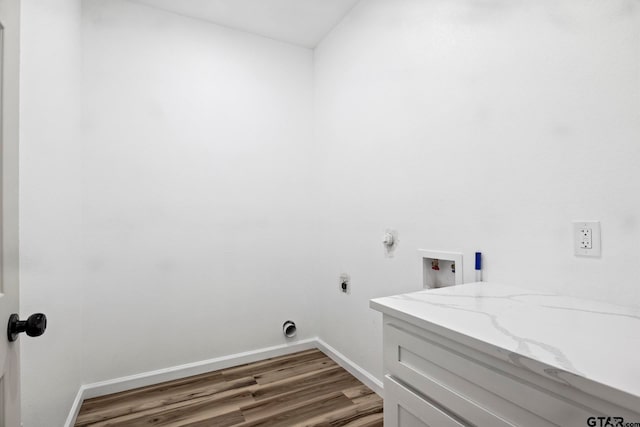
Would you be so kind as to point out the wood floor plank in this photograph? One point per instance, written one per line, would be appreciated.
(298, 414)
(217, 422)
(284, 401)
(212, 406)
(297, 382)
(224, 416)
(357, 391)
(272, 364)
(287, 401)
(373, 420)
(141, 402)
(300, 389)
(294, 370)
(343, 416)
(208, 378)
(372, 397)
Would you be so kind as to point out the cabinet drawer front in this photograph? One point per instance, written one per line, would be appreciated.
(404, 408)
(454, 378)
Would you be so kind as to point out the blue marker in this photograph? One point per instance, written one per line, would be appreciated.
(478, 266)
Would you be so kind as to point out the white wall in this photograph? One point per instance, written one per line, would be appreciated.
(194, 215)
(476, 125)
(196, 151)
(50, 190)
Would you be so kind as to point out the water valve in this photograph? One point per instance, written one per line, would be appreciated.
(388, 239)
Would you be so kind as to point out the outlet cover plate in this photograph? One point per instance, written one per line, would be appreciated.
(586, 238)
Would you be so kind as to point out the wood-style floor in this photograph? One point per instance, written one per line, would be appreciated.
(300, 389)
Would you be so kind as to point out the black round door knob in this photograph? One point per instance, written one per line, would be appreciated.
(34, 326)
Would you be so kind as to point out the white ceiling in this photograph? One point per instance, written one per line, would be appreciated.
(301, 22)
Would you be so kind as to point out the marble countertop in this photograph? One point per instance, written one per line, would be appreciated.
(592, 340)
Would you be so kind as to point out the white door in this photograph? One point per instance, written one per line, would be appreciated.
(9, 352)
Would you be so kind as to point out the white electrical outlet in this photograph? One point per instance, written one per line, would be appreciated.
(586, 238)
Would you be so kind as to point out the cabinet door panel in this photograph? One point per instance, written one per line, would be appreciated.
(477, 392)
(404, 408)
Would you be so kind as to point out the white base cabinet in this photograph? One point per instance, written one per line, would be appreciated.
(433, 380)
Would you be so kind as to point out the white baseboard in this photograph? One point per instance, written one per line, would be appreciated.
(75, 408)
(362, 375)
(176, 372)
(144, 379)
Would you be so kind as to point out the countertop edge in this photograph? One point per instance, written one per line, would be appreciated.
(590, 386)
